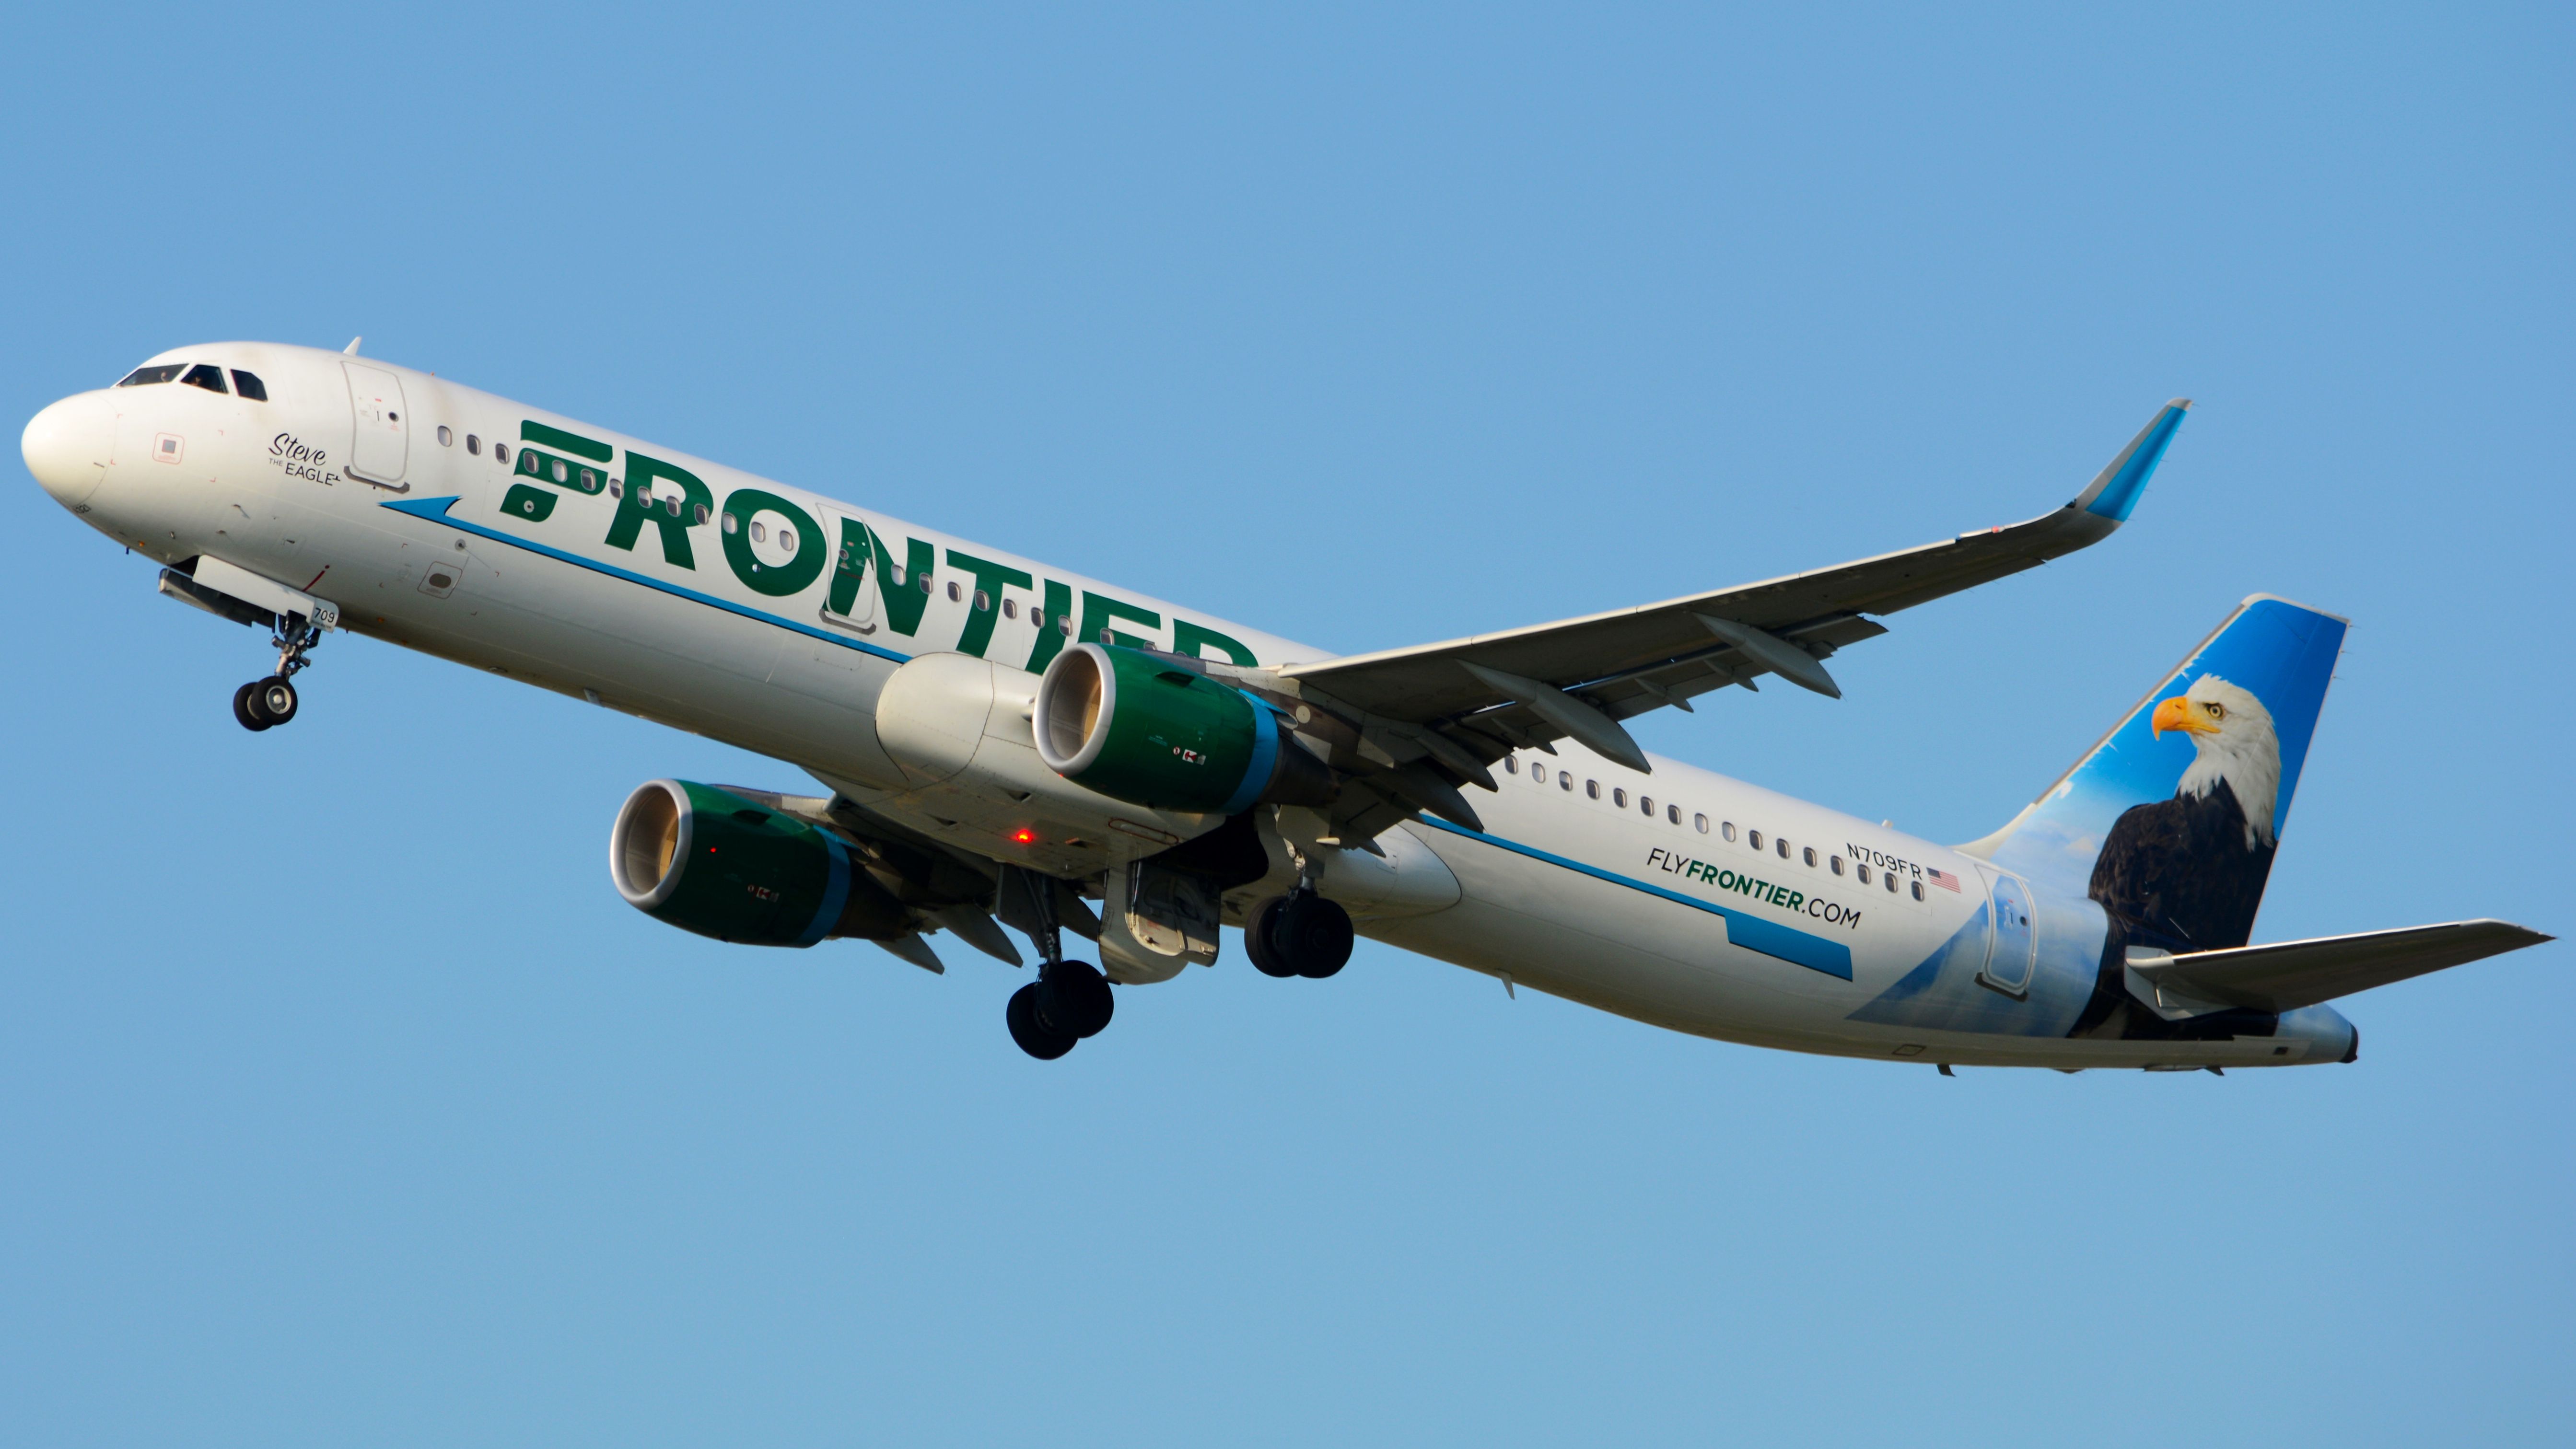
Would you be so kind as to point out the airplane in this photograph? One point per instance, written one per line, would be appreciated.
(1002, 742)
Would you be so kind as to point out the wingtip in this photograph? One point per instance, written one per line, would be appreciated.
(2116, 489)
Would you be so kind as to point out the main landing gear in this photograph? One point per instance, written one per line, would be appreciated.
(1070, 1000)
(1298, 934)
(266, 703)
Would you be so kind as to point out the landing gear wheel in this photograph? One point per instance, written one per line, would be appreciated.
(247, 711)
(1313, 934)
(1034, 1036)
(273, 699)
(1074, 999)
(1257, 939)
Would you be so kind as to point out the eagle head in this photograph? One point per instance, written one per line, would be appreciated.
(2232, 732)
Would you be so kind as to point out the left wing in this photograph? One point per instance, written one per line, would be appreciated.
(1487, 695)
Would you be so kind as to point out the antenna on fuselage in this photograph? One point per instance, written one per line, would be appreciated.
(352, 349)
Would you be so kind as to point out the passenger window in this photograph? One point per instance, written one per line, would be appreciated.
(249, 386)
(1783, 847)
(1064, 625)
(924, 581)
(1619, 798)
(983, 601)
(446, 439)
(1863, 872)
(1810, 854)
(207, 377)
(143, 376)
(1702, 822)
(1838, 865)
(1918, 890)
(563, 471)
(1755, 837)
(670, 505)
(702, 508)
(1673, 813)
(759, 532)
(1010, 608)
(1511, 765)
(1647, 804)
(1729, 833)
(786, 536)
(954, 593)
(501, 454)
(473, 444)
(1565, 780)
(1592, 788)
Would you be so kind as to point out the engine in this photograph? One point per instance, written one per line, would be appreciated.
(1147, 729)
(709, 861)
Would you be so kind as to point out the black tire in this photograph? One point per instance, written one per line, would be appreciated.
(273, 699)
(1314, 935)
(1261, 944)
(1033, 1035)
(245, 711)
(1073, 998)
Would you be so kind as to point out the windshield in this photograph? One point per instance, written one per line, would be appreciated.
(163, 372)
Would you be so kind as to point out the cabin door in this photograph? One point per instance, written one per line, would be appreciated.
(381, 443)
(2014, 940)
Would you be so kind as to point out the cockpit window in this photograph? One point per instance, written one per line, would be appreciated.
(249, 386)
(164, 372)
(207, 376)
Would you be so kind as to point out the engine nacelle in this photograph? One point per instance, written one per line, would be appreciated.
(1139, 727)
(707, 860)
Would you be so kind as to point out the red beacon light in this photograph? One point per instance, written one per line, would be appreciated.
(1024, 836)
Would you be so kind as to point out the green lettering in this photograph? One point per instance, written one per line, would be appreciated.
(849, 567)
(1796, 900)
(574, 443)
(1193, 639)
(561, 472)
(990, 579)
(1059, 606)
(903, 601)
(780, 580)
(672, 519)
(532, 504)
(1098, 611)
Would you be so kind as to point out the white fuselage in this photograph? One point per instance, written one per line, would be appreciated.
(1667, 913)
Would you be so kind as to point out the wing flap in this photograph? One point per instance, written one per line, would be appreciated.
(2292, 974)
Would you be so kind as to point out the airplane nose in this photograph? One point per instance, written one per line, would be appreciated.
(67, 446)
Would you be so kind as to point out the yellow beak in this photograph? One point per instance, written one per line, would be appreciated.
(2177, 713)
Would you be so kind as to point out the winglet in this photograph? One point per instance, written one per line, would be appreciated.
(2115, 490)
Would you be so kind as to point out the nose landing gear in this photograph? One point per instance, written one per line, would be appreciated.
(267, 703)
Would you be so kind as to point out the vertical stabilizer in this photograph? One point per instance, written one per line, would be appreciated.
(2172, 820)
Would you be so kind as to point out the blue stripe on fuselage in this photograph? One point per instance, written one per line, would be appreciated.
(1749, 931)
(435, 510)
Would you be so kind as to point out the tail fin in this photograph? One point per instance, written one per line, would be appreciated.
(2172, 820)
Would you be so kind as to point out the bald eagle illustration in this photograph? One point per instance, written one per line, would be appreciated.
(2186, 874)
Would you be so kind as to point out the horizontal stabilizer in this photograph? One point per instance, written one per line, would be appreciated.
(2292, 974)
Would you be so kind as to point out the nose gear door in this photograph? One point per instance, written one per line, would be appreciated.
(380, 444)
(2014, 941)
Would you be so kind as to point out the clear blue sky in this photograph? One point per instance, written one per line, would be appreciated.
(342, 1100)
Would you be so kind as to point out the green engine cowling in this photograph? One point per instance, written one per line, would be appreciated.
(1147, 729)
(709, 861)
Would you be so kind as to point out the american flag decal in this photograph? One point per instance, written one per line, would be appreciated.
(1943, 879)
